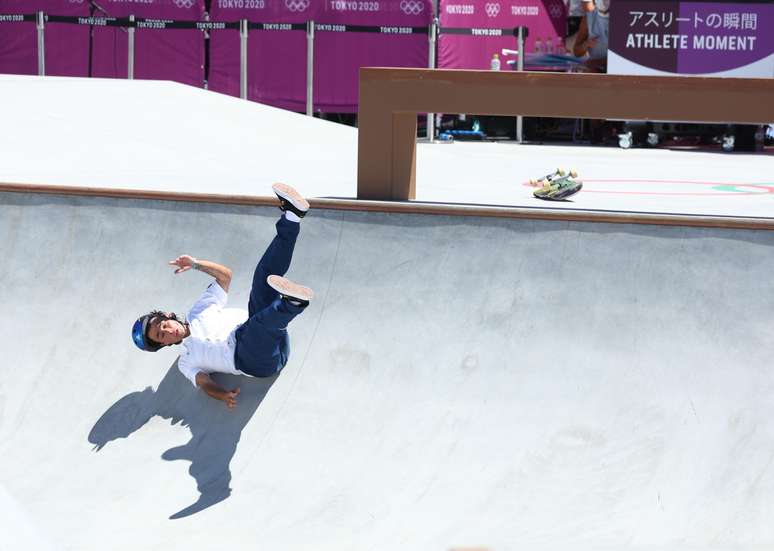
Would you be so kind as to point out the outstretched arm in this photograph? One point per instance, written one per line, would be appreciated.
(214, 390)
(221, 274)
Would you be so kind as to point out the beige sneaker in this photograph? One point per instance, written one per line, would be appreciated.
(293, 292)
(290, 199)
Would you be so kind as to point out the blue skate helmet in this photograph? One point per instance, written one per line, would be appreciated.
(140, 330)
(140, 333)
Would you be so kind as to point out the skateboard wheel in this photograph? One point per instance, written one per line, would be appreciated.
(573, 174)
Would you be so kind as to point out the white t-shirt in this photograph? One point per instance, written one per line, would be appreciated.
(210, 346)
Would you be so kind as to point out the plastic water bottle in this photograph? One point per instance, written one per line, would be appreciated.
(549, 45)
(495, 63)
(560, 48)
(538, 46)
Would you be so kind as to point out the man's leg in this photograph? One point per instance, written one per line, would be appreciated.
(276, 260)
(263, 347)
(277, 315)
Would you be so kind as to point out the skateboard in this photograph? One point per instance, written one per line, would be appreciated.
(558, 186)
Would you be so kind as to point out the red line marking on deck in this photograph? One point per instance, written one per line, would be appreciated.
(759, 189)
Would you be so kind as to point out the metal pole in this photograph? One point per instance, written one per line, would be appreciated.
(520, 67)
(433, 36)
(243, 58)
(310, 68)
(130, 50)
(41, 23)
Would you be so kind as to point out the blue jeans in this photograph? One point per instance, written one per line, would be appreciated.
(262, 343)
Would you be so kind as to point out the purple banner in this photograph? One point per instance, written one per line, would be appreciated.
(277, 56)
(66, 45)
(339, 55)
(491, 23)
(692, 38)
(159, 53)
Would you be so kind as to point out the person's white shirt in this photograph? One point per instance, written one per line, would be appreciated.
(210, 346)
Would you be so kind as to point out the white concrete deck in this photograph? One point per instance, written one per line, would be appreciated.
(170, 137)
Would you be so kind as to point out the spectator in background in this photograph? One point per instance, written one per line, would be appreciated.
(591, 42)
(591, 39)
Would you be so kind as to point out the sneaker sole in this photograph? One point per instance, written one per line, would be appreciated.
(286, 287)
(292, 196)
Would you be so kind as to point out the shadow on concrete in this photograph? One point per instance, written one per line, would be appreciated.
(215, 430)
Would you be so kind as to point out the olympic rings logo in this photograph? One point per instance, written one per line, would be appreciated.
(556, 11)
(492, 10)
(184, 4)
(412, 7)
(297, 5)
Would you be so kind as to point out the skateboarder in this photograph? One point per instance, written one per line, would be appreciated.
(227, 340)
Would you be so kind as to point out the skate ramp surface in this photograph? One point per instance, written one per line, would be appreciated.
(457, 382)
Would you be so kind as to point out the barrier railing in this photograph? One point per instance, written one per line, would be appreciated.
(245, 28)
(242, 26)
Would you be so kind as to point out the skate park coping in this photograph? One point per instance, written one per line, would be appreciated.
(422, 208)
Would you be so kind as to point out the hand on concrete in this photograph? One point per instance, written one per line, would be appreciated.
(230, 397)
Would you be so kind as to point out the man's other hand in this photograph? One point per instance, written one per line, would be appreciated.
(230, 397)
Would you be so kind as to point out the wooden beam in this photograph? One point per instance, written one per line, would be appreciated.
(391, 99)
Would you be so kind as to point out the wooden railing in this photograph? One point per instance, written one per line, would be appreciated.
(390, 100)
